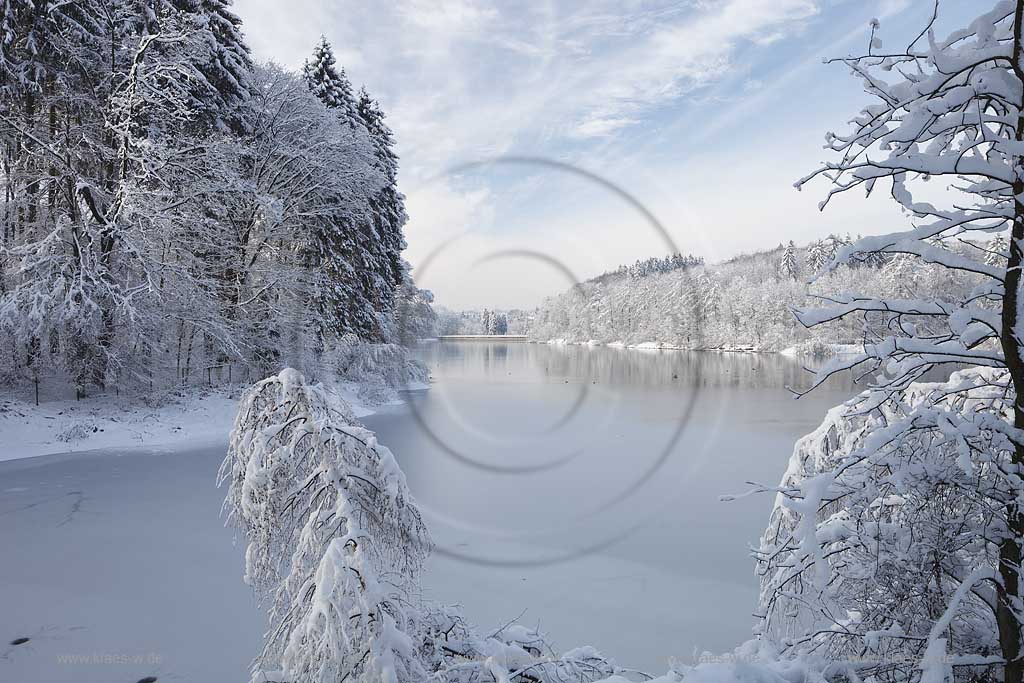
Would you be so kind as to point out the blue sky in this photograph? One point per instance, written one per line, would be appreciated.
(706, 111)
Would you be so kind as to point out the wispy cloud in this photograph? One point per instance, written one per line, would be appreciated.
(466, 78)
(598, 126)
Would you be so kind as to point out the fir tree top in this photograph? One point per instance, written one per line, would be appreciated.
(329, 82)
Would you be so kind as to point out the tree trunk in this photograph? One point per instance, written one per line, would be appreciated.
(1010, 549)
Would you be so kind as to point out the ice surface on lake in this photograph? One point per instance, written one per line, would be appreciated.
(521, 453)
(117, 565)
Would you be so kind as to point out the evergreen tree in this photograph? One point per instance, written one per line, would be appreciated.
(788, 267)
(998, 252)
(345, 245)
(361, 253)
(226, 66)
(388, 205)
(330, 84)
(818, 255)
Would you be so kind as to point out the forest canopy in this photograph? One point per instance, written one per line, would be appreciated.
(169, 204)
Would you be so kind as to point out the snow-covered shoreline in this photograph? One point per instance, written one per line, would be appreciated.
(798, 350)
(649, 346)
(190, 417)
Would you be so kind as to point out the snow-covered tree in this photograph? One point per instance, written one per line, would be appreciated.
(788, 266)
(916, 490)
(998, 252)
(167, 204)
(878, 544)
(388, 205)
(817, 256)
(412, 317)
(95, 137)
(360, 251)
(226, 83)
(335, 542)
(330, 84)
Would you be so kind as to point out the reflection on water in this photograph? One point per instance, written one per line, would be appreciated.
(582, 484)
(484, 360)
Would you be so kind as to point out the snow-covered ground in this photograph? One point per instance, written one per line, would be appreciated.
(186, 418)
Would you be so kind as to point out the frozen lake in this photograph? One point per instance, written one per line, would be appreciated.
(577, 487)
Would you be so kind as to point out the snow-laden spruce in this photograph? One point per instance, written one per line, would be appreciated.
(335, 549)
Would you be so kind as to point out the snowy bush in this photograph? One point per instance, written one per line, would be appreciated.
(881, 550)
(76, 432)
(455, 653)
(813, 348)
(413, 317)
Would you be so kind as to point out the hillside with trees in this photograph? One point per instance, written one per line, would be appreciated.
(747, 301)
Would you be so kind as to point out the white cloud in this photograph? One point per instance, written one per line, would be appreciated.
(440, 212)
(447, 18)
(888, 8)
(600, 127)
(285, 32)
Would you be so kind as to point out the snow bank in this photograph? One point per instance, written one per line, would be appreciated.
(815, 348)
(367, 377)
(755, 661)
(178, 418)
(668, 346)
(183, 418)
